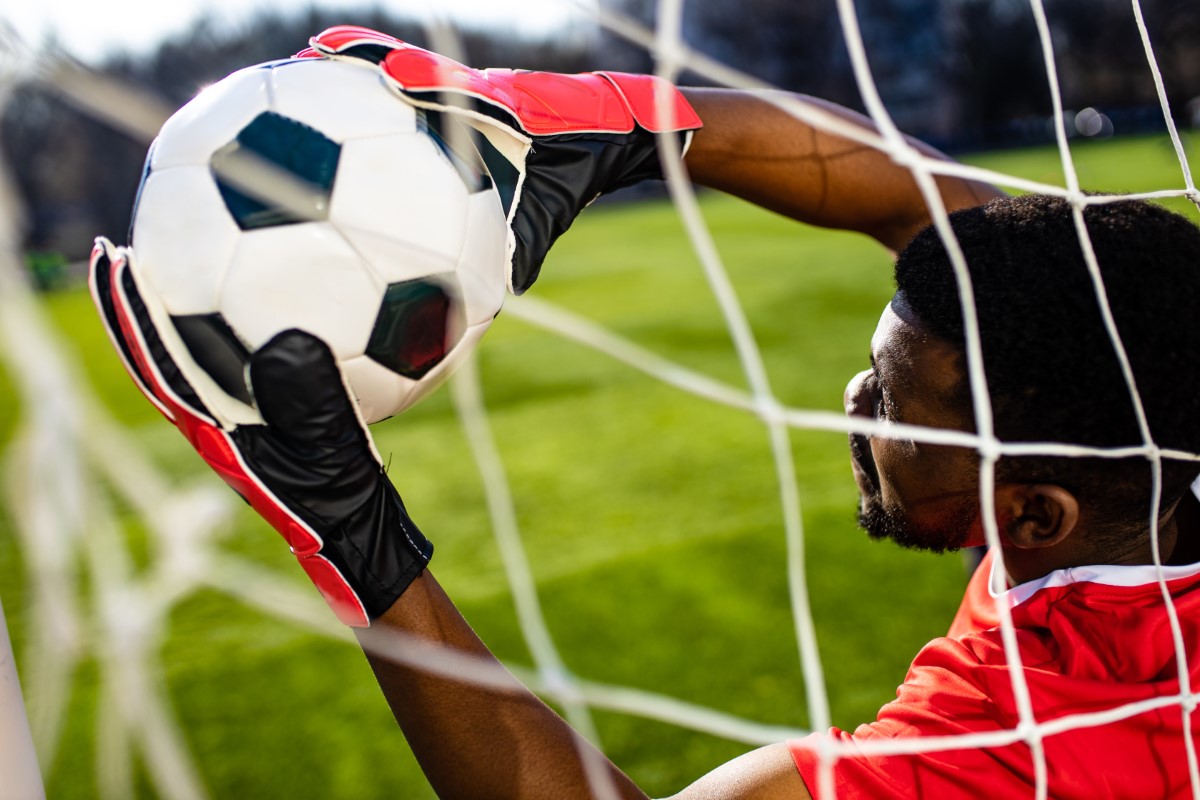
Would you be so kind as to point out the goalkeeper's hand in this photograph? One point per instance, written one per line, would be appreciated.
(302, 458)
(564, 139)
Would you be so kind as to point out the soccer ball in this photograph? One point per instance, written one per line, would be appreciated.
(304, 194)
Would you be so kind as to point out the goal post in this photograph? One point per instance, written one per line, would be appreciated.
(22, 777)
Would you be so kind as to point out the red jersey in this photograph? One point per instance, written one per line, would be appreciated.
(1091, 639)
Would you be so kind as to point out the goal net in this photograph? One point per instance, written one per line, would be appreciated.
(117, 558)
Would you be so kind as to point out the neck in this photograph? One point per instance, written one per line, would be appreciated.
(1187, 539)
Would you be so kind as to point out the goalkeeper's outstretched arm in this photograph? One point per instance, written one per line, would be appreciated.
(754, 149)
(496, 742)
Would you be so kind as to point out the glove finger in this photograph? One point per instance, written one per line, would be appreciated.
(300, 392)
(163, 378)
(100, 273)
(353, 41)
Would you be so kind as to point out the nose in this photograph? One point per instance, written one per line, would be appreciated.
(861, 395)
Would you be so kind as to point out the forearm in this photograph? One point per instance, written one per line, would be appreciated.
(475, 742)
(751, 148)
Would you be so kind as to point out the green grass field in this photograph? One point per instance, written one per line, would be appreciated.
(651, 518)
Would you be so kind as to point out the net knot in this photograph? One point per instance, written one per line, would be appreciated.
(1077, 199)
(770, 410)
(128, 620)
(906, 156)
(827, 749)
(561, 685)
(989, 448)
(1029, 732)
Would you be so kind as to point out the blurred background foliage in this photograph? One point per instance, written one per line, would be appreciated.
(965, 75)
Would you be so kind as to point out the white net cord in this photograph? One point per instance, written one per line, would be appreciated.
(71, 463)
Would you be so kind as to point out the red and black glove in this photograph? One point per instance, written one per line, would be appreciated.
(302, 457)
(553, 143)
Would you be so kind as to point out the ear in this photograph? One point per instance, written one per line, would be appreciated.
(1036, 515)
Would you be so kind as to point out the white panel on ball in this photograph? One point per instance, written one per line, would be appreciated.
(354, 102)
(401, 186)
(379, 391)
(211, 120)
(483, 266)
(392, 259)
(300, 276)
(184, 238)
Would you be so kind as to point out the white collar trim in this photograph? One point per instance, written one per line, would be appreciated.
(1105, 574)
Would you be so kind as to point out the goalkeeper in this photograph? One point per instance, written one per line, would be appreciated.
(1091, 626)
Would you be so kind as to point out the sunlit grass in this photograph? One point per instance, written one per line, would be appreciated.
(651, 518)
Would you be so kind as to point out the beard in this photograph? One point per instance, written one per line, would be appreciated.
(951, 531)
(894, 525)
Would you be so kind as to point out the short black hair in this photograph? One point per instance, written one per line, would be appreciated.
(1052, 372)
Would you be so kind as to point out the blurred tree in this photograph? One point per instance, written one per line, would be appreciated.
(795, 46)
(1174, 27)
(997, 73)
(78, 177)
(801, 47)
(1102, 60)
(961, 73)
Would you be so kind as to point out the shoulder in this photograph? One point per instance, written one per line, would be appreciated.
(768, 773)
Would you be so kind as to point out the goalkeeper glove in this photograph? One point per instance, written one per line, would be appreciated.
(302, 458)
(565, 139)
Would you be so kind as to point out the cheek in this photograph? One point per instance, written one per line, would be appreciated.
(899, 470)
(924, 479)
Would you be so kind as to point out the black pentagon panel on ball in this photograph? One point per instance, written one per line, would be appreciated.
(276, 172)
(137, 199)
(419, 322)
(217, 350)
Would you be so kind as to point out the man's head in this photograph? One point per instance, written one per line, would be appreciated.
(1052, 372)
